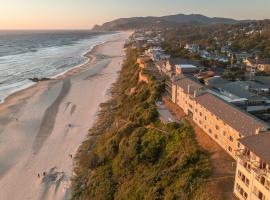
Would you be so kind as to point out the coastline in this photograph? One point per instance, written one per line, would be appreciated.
(42, 125)
(19, 95)
(89, 55)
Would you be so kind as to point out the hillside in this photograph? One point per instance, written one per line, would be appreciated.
(130, 154)
(172, 20)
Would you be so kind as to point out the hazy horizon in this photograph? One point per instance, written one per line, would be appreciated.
(83, 14)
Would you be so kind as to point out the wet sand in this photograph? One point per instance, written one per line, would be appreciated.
(42, 126)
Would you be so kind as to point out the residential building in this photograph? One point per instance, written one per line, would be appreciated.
(192, 48)
(252, 179)
(222, 121)
(262, 65)
(185, 68)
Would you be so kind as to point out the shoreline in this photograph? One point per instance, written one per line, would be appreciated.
(20, 94)
(41, 126)
(90, 57)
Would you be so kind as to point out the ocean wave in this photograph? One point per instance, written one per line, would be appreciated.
(15, 70)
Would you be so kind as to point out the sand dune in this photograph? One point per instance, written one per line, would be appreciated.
(41, 127)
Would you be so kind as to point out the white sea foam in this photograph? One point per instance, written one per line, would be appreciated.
(15, 70)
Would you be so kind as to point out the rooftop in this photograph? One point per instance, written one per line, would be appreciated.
(186, 66)
(259, 144)
(239, 120)
(186, 82)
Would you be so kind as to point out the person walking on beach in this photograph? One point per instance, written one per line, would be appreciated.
(38, 175)
(44, 174)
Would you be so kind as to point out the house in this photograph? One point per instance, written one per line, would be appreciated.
(264, 65)
(225, 49)
(156, 53)
(252, 179)
(185, 68)
(205, 54)
(242, 55)
(192, 48)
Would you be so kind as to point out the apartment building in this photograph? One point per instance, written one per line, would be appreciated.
(252, 179)
(222, 121)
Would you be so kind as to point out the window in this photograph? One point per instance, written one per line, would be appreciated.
(230, 148)
(238, 144)
(224, 133)
(241, 191)
(258, 193)
(243, 178)
(210, 131)
(200, 114)
(231, 138)
(267, 185)
(247, 166)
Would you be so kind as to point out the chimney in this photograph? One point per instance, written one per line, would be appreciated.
(195, 94)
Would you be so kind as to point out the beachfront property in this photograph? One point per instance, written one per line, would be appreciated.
(156, 54)
(222, 121)
(185, 68)
(252, 179)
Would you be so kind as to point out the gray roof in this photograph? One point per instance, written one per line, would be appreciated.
(216, 81)
(177, 61)
(259, 144)
(242, 88)
(185, 82)
(236, 89)
(239, 120)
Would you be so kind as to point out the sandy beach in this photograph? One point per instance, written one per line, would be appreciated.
(42, 127)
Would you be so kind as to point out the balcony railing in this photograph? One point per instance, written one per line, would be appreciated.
(243, 156)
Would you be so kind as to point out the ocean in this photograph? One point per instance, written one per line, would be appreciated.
(40, 54)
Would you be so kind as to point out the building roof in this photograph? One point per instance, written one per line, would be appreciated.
(259, 144)
(185, 82)
(216, 80)
(239, 120)
(186, 66)
(237, 88)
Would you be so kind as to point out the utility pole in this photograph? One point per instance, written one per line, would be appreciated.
(232, 59)
(253, 68)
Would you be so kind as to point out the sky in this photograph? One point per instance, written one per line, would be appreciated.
(83, 14)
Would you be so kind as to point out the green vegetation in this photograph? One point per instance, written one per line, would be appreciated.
(252, 37)
(234, 74)
(128, 157)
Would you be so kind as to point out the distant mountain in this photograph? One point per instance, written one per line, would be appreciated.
(174, 20)
(181, 18)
